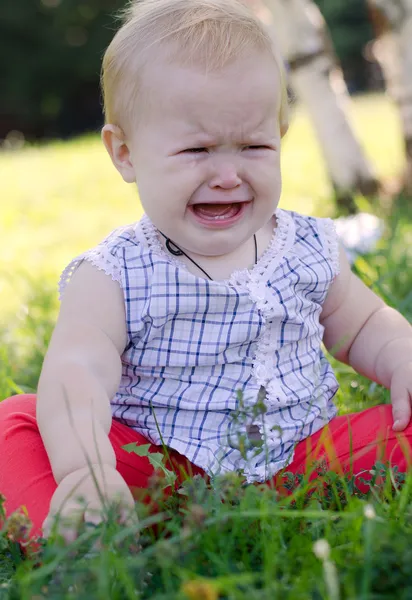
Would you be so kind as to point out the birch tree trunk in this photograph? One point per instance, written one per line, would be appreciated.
(317, 80)
(392, 20)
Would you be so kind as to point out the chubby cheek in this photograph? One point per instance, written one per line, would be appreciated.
(267, 183)
(157, 189)
(184, 180)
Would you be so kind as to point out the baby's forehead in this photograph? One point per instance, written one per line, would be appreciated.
(247, 68)
(213, 127)
(248, 87)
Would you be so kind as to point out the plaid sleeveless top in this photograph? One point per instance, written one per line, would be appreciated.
(230, 373)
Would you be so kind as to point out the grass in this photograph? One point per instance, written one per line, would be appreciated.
(227, 541)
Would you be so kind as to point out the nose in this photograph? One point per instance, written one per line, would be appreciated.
(225, 176)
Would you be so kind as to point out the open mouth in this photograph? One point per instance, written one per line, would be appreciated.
(218, 214)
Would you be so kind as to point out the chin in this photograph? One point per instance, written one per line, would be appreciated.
(221, 250)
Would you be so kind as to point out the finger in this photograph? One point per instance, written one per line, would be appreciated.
(126, 508)
(122, 505)
(93, 516)
(118, 509)
(65, 523)
(401, 406)
(46, 527)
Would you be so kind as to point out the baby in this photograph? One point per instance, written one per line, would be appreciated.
(200, 327)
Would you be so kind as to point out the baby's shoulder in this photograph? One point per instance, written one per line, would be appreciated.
(113, 255)
(315, 239)
(126, 236)
(319, 229)
(309, 224)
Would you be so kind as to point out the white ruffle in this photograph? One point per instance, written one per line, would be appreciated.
(151, 235)
(331, 240)
(262, 369)
(254, 282)
(272, 254)
(255, 278)
(277, 246)
(101, 258)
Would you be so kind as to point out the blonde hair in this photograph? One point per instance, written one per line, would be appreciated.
(207, 32)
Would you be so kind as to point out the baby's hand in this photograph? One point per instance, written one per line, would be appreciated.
(81, 484)
(401, 395)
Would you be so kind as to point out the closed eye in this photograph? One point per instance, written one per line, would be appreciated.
(257, 147)
(194, 150)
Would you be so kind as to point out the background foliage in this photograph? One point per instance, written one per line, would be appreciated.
(351, 30)
(52, 80)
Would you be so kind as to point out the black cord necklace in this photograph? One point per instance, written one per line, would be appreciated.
(176, 251)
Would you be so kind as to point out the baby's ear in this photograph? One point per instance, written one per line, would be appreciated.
(115, 142)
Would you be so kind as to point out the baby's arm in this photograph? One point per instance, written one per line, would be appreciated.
(81, 373)
(361, 330)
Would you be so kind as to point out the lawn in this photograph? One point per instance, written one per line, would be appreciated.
(228, 541)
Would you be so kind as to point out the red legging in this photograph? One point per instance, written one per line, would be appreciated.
(354, 441)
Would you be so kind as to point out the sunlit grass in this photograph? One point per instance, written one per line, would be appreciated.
(306, 186)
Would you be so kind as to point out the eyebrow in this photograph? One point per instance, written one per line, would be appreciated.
(201, 134)
(195, 129)
(239, 137)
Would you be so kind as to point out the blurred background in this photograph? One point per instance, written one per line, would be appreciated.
(348, 150)
(52, 49)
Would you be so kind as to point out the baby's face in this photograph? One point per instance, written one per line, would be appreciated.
(206, 153)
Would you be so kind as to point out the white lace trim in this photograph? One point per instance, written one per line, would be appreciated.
(331, 242)
(256, 285)
(262, 369)
(152, 238)
(272, 255)
(101, 258)
(274, 251)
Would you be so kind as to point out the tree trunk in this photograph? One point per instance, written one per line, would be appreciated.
(392, 20)
(317, 80)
